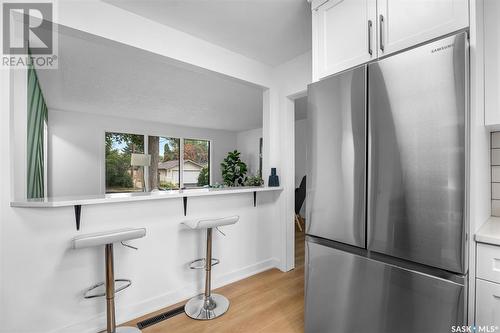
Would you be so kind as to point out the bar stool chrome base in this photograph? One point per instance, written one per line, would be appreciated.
(127, 329)
(202, 308)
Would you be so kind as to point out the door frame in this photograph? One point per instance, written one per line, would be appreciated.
(288, 136)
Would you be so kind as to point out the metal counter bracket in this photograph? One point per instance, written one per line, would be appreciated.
(78, 213)
(255, 198)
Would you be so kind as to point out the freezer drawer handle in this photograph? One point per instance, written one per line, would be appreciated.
(370, 37)
(381, 32)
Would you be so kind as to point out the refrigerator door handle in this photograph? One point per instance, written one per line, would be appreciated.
(370, 51)
(381, 32)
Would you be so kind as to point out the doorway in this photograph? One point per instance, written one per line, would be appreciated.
(300, 109)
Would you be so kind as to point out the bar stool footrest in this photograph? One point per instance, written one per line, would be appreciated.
(200, 263)
(88, 294)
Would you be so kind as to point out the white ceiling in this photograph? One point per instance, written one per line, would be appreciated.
(270, 31)
(100, 76)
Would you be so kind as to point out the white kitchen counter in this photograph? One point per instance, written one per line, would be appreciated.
(489, 232)
(136, 196)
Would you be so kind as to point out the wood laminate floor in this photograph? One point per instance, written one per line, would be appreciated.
(269, 302)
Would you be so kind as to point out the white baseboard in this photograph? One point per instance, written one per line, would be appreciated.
(129, 312)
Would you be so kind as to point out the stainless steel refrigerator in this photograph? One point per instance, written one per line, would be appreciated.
(386, 201)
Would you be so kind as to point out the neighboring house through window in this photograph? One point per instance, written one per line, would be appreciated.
(196, 170)
(169, 168)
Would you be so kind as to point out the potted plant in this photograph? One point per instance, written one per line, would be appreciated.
(254, 181)
(233, 169)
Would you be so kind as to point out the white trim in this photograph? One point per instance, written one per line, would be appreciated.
(145, 171)
(130, 312)
(289, 191)
(210, 164)
(181, 163)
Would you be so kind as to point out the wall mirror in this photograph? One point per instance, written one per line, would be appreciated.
(116, 119)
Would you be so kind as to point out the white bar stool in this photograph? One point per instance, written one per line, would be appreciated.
(108, 238)
(207, 305)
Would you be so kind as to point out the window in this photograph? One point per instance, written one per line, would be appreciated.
(196, 164)
(168, 168)
(164, 172)
(120, 175)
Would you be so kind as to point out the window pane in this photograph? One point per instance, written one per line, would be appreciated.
(196, 171)
(165, 162)
(120, 175)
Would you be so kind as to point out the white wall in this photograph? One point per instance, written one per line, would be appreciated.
(291, 81)
(76, 148)
(248, 143)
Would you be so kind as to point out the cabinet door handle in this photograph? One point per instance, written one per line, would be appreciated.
(381, 32)
(370, 37)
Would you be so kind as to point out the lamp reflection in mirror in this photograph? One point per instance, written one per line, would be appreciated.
(141, 160)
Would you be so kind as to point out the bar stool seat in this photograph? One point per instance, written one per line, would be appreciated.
(207, 305)
(210, 222)
(107, 239)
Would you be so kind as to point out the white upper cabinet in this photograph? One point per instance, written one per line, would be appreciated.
(492, 63)
(405, 23)
(348, 33)
(344, 34)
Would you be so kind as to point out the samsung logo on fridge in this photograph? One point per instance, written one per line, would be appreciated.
(442, 48)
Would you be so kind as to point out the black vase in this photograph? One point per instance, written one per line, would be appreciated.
(273, 179)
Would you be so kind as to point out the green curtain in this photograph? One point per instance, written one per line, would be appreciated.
(37, 116)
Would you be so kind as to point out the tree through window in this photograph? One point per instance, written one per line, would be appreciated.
(164, 172)
(120, 175)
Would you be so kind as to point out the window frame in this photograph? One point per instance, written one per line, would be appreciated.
(146, 149)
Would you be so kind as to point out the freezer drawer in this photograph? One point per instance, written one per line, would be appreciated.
(336, 158)
(348, 293)
(417, 139)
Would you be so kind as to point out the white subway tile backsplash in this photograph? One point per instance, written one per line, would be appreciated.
(495, 191)
(495, 156)
(495, 140)
(495, 207)
(495, 174)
